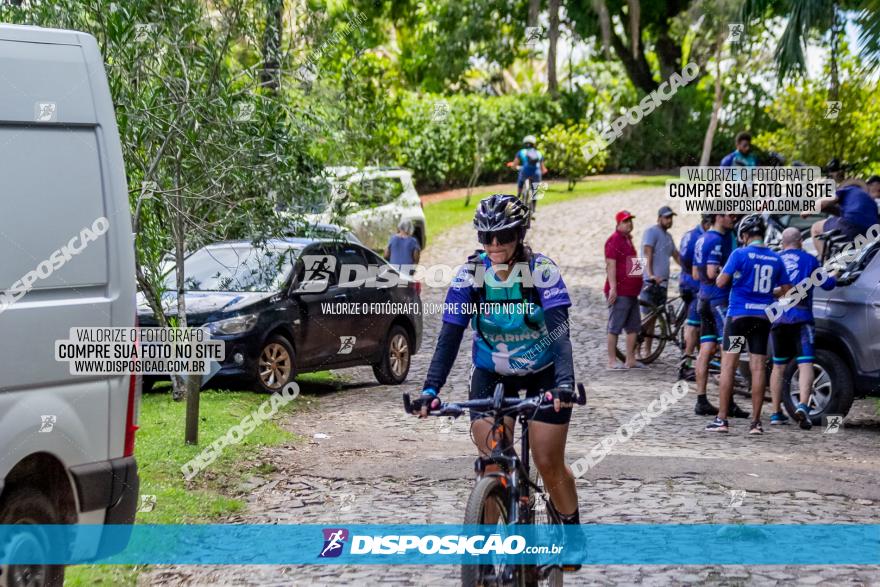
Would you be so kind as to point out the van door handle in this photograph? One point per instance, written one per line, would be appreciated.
(342, 295)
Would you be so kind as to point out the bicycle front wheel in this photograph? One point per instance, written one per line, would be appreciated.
(543, 513)
(489, 504)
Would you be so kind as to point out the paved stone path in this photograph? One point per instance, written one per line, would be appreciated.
(377, 465)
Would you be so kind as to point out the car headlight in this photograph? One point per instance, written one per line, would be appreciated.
(235, 325)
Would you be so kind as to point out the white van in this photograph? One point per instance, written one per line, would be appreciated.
(66, 442)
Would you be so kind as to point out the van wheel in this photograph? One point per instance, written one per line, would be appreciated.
(275, 366)
(832, 387)
(28, 507)
(393, 368)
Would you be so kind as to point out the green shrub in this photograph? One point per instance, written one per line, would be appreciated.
(562, 147)
(440, 137)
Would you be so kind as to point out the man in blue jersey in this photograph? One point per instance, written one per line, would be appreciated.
(710, 254)
(689, 289)
(742, 156)
(754, 274)
(792, 331)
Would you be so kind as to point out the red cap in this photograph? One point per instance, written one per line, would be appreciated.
(623, 215)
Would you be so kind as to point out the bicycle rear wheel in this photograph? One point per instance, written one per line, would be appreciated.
(651, 339)
(488, 504)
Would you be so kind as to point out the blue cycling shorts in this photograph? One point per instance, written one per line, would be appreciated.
(535, 177)
(793, 341)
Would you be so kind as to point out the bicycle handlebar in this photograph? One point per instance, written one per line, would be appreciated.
(496, 403)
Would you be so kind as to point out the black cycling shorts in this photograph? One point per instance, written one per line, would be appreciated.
(746, 333)
(483, 386)
(793, 341)
(712, 316)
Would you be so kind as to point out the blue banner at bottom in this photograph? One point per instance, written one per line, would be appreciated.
(589, 544)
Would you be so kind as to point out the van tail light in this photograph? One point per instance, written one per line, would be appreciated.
(132, 411)
(417, 286)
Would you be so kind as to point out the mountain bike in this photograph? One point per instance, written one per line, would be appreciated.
(660, 324)
(512, 495)
(529, 197)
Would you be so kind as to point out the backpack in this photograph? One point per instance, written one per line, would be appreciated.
(533, 157)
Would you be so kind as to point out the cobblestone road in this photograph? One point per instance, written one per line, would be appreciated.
(372, 464)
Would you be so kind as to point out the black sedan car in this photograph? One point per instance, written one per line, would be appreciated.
(280, 316)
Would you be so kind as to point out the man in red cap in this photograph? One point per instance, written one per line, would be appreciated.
(623, 283)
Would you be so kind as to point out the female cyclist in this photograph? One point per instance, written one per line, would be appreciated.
(520, 338)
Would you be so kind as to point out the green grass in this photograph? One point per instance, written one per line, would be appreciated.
(160, 453)
(442, 215)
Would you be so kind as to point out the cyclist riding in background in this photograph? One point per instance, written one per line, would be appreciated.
(530, 162)
(689, 289)
(520, 338)
(742, 156)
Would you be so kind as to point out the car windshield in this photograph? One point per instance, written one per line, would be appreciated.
(238, 268)
(371, 192)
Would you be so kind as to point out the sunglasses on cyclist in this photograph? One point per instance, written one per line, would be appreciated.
(504, 236)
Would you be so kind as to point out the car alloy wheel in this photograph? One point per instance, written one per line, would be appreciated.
(399, 357)
(820, 395)
(275, 366)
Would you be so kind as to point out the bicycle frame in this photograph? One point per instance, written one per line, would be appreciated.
(514, 467)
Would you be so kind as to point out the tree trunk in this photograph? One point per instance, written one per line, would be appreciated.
(637, 69)
(716, 106)
(834, 55)
(553, 38)
(178, 233)
(534, 10)
(601, 10)
(270, 77)
(635, 27)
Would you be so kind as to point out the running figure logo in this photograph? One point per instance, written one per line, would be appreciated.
(737, 343)
(346, 345)
(47, 423)
(637, 265)
(334, 540)
(833, 424)
(319, 270)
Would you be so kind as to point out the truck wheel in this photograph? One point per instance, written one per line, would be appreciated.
(27, 506)
(275, 365)
(832, 387)
(393, 367)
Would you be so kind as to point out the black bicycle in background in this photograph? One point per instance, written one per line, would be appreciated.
(512, 495)
(660, 324)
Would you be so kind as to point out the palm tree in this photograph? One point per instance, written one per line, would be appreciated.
(805, 17)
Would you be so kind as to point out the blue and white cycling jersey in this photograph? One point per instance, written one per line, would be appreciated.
(712, 248)
(800, 265)
(756, 272)
(507, 338)
(686, 252)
